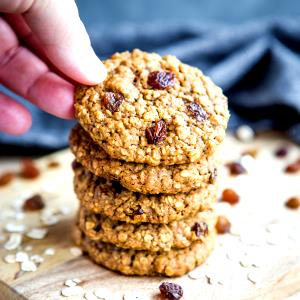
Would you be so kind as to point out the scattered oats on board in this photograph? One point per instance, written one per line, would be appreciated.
(72, 291)
(102, 293)
(75, 251)
(89, 295)
(28, 266)
(21, 256)
(134, 296)
(72, 282)
(10, 259)
(255, 277)
(49, 251)
(13, 227)
(14, 241)
(28, 248)
(37, 233)
(37, 258)
(245, 133)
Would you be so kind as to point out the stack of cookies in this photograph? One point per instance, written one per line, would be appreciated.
(146, 165)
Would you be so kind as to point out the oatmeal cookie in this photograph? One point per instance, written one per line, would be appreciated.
(136, 262)
(107, 197)
(142, 178)
(146, 236)
(153, 110)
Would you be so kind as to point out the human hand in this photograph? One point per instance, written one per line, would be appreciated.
(44, 49)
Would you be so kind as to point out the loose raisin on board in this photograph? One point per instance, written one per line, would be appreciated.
(161, 80)
(223, 225)
(29, 170)
(156, 133)
(293, 203)
(200, 228)
(34, 203)
(293, 167)
(197, 112)
(6, 178)
(230, 196)
(171, 291)
(112, 101)
(235, 168)
(282, 151)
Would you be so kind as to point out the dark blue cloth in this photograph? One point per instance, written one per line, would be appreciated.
(257, 65)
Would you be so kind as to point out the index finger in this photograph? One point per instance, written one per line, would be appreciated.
(58, 27)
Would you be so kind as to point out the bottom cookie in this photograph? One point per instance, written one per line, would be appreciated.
(134, 262)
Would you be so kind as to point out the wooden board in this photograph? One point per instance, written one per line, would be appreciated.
(263, 192)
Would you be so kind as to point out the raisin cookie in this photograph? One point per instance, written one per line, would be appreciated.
(146, 236)
(107, 197)
(153, 110)
(173, 263)
(140, 177)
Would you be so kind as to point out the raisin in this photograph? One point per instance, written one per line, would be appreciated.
(213, 176)
(230, 196)
(157, 132)
(200, 228)
(34, 203)
(136, 212)
(171, 291)
(293, 167)
(197, 112)
(75, 164)
(98, 228)
(29, 170)
(161, 80)
(223, 225)
(53, 164)
(6, 178)
(112, 101)
(293, 203)
(282, 151)
(117, 186)
(235, 168)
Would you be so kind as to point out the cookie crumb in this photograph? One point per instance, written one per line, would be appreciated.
(53, 164)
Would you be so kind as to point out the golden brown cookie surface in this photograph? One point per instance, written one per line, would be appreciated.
(135, 262)
(153, 110)
(109, 198)
(146, 236)
(141, 178)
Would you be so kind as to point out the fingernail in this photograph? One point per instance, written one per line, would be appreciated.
(94, 69)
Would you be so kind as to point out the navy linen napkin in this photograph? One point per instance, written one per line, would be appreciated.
(256, 64)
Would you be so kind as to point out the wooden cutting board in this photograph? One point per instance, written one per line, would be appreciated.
(260, 259)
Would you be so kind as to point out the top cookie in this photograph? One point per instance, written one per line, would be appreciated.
(153, 110)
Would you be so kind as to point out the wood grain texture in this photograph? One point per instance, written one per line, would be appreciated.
(263, 193)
